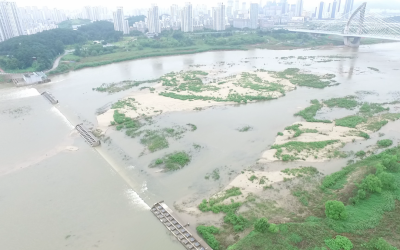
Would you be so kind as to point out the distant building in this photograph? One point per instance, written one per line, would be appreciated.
(120, 23)
(241, 23)
(253, 15)
(218, 15)
(153, 20)
(187, 18)
(334, 9)
(34, 77)
(299, 8)
(10, 21)
(348, 7)
(321, 10)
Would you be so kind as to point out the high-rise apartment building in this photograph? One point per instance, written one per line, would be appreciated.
(187, 18)
(299, 8)
(10, 21)
(237, 5)
(120, 24)
(218, 15)
(174, 12)
(253, 15)
(334, 9)
(348, 7)
(153, 20)
(284, 7)
(321, 10)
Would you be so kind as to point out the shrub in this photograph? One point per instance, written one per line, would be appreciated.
(385, 143)
(390, 162)
(261, 225)
(361, 154)
(340, 242)
(273, 228)
(378, 244)
(280, 133)
(388, 180)
(371, 183)
(335, 210)
(159, 161)
(208, 235)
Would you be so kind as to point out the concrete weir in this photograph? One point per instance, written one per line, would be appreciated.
(50, 97)
(163, 213)
(87, 135)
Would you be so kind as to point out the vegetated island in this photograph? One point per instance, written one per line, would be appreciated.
(195, 90)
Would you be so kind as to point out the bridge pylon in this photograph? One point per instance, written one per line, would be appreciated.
(354, 41)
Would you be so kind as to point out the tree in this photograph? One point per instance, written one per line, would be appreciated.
(261, 225)
(340, 242)
(388, 181)
(335, 210)
(77, 51)
(390, 163)
(372, 183)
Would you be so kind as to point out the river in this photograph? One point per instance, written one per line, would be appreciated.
(55, 198)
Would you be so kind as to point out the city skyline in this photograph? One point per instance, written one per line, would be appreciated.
(308, 5)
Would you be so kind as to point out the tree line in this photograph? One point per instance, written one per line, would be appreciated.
(37, 52)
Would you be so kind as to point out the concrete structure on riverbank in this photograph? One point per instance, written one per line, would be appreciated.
(163, 213)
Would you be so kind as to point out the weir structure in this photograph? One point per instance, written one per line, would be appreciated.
(50, 97)
(355, 26)
(87, 135)
(164, 215)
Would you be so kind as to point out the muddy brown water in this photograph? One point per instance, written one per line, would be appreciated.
(54, 198)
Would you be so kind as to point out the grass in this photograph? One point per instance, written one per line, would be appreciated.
(309, 113)
(300, 146)
(302, 171)
(298, 131)
(350, 121)
(121, 86)
(215, 175)
(245, 129)
(373, 223)
(192, 126)
(384, 143)
(129, 102)
(173, 161)
(306, 80)
(348, 102)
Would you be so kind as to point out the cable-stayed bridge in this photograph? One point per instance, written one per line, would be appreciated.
(357, 25)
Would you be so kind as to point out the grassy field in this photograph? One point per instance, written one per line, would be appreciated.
(370, 211)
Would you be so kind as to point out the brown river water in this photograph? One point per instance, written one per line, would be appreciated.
(99, 198)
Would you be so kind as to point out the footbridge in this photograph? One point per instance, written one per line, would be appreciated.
(355, 26)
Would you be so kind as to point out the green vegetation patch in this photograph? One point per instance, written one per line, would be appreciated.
(252, 81)
(369, 109)
(298, 131)
(173, 161)
(348, 102)
(215, 175)
(307, 80)
(309, 113)
(302, 171)
(207, 233)
(121, 86)
(384, 143)
(350, 121)
(245, 129)
(300, 146)
(129, 102)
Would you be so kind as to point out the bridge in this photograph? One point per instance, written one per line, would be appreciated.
(354, 26)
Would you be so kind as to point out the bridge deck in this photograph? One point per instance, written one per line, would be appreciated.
(345, 35)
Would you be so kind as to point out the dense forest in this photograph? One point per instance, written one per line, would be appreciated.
(37, 52)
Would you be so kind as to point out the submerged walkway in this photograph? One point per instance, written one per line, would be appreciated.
(160, 210)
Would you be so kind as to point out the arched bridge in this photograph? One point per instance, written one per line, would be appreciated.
(356, 25)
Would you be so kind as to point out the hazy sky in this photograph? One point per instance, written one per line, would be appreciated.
(131, 4)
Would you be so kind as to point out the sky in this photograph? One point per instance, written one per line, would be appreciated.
(132, 4)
